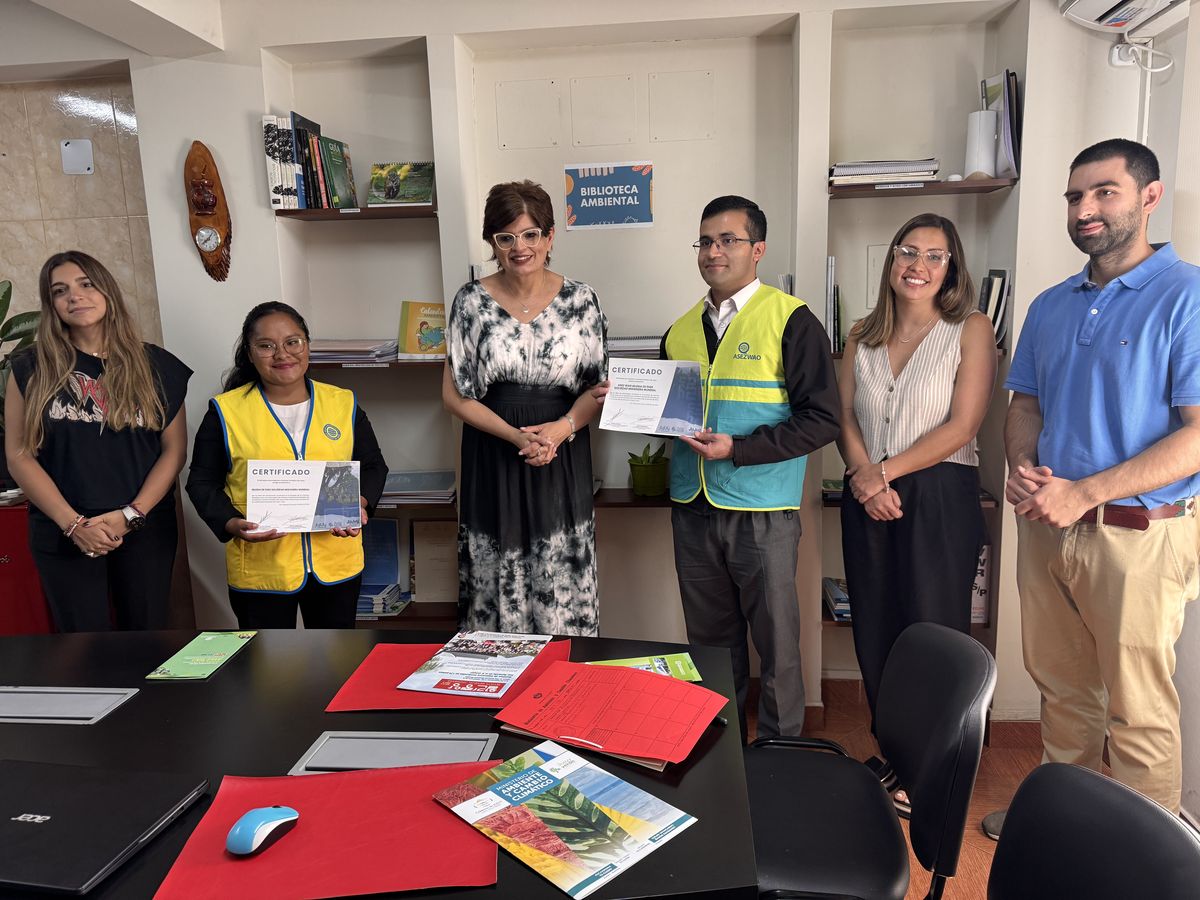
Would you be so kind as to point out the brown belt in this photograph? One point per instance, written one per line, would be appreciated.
(1136, 516)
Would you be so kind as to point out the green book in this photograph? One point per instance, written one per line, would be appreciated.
(677, 665)
(338, 182)
(203, 655)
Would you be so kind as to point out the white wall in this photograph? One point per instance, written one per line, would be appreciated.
(1173, 102)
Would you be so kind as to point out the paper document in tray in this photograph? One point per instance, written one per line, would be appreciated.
(476, 663)
(570, 821)
(303, 495)
(660, 396)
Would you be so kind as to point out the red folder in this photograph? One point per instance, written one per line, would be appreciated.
(623, 711)
(373, 684)
(364, 832)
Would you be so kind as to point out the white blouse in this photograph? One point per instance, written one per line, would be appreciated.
(894, 413)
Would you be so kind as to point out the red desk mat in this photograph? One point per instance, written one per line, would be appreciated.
(373, 684)
(364, 832)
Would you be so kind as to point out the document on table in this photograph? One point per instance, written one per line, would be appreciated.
(303, 495)
(477, 663)
(203, 655)
(653, 396)
(636, 715)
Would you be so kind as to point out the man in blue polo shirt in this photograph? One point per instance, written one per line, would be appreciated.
(1103, 446)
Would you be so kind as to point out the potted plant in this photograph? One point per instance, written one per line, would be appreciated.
(648, 471)
(20, 329)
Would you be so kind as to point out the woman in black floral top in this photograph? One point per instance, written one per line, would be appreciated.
(523, 347)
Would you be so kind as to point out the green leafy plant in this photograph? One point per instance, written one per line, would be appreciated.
(20, 329)
(646, 458)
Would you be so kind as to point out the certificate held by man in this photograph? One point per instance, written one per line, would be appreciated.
(303, 495)
(654, 396)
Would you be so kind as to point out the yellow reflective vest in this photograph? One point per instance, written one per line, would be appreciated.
(253, 431)
(744, 388)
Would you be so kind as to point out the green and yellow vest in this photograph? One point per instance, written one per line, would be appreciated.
(744, 388)
(252, 431)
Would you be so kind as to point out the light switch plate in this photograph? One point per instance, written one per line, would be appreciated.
(77, 156)
(877, 255)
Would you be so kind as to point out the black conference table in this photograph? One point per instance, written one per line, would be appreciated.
(258, 714)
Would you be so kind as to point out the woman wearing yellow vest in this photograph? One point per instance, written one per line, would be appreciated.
(271, 410)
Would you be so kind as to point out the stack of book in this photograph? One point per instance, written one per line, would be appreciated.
(418, 488)
(994, 290)
(353, 352)
(884, 174)
(380, 594)
(305, 169)
(837, 601)
(642, 346)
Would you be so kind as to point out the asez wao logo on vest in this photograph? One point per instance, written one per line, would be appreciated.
(30, 817)
(332, 432)
(744, 352)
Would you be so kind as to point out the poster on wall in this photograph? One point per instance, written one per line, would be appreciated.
(610, 195)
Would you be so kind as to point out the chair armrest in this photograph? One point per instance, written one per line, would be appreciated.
(802, 743)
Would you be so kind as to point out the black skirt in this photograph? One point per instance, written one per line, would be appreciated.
(526, 536)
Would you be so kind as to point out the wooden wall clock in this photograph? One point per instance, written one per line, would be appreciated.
(208, 213)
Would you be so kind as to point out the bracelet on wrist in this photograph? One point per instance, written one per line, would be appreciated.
(70, 529)
(883, 474)
(570, 421)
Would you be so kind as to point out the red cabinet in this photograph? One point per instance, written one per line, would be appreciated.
(22, 606)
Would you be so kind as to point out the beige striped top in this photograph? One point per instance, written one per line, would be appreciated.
(894, 413)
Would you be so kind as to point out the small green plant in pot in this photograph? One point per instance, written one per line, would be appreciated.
(648, 471)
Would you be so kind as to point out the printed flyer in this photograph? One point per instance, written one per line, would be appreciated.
(302, 495)
(477, 663)
(654, 396)
(573, 823)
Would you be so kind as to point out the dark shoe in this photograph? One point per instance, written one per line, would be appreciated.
(992, 823)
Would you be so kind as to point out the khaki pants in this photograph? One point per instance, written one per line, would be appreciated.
(1101, 609)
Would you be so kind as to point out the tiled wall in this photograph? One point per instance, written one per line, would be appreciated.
(43, 211)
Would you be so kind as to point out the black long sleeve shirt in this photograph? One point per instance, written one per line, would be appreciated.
(811, 389)
(210, 468)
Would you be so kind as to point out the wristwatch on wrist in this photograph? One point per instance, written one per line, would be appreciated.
(133, 517)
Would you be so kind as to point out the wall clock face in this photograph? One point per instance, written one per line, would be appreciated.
(207, 239)
(208, 214)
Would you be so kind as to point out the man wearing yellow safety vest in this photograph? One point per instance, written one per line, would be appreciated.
(770, 398)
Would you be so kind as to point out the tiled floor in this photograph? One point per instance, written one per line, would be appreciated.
(1013, 751)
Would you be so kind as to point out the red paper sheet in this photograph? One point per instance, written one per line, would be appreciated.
(373, 684)
(362, 832)
(615, 709)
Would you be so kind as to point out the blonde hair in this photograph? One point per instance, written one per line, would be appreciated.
(134, 398)
(955, 300)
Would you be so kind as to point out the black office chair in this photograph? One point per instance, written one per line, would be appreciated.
(1073, 834)
(824, 826)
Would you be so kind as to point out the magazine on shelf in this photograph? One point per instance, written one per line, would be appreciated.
(337, 175)
(570, 821)
(401, 184)
(474, 663)
(422, 330)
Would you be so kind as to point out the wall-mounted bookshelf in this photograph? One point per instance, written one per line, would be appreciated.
(358, 214)
(929, 189)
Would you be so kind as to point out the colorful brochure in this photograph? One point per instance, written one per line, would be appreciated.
(477, 663)
(677, 665)
(303, 495)
(637, 716)
(570, 821)
(203, 655)
(653, 396)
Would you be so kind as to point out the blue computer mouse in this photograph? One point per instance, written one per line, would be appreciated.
(259, 828)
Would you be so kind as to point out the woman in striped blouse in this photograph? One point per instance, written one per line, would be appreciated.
(915, 383)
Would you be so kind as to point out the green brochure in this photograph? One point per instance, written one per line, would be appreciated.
(203, 655)
(677, 665)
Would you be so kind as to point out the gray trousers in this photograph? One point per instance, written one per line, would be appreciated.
(737, 569)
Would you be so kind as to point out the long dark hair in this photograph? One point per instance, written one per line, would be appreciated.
(243, 371)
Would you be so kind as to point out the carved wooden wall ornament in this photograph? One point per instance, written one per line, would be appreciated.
(208, 213)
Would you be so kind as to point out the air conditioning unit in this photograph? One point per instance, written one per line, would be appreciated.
(1104, 15)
